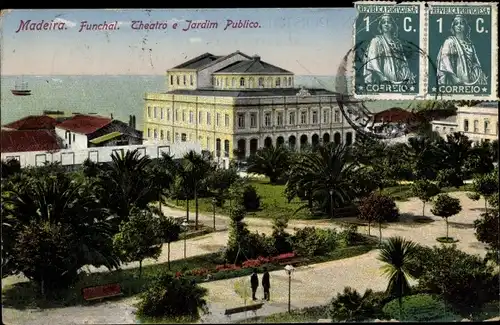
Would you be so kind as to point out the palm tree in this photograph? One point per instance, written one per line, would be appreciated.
(398, 255)
(325, 174)
(351, 306)
(423, 153)
(61, 204)
(196, 170)
(272, 162)
(163, 172)
(125, 184)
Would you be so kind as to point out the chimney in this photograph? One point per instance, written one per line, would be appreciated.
(130, 120)
(133, 121)
(111, 115)
(256, 57)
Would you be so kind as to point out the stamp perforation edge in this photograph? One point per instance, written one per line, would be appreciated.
(494, 50)
(422, 82)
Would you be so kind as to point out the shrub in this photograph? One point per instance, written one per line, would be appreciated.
(310, 241)
(419, 308)
(349, 235)
(378, 208)
(466, 281)
(351, 306)
(172, 297)
(251, 200)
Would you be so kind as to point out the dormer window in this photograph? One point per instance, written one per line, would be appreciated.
(242, 82)
(278, 82)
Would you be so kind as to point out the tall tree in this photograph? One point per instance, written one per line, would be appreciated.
(196, 169)
(398, 256)
(326, 174)
(378, 208)
(486, 186)
(169, 232)
(446, 206)
(125, 184)
(425, 191)
(139, 238)
(272, 162)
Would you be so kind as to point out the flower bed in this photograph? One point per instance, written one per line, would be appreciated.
(260, 261)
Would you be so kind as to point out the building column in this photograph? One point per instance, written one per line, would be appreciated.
(247, 147)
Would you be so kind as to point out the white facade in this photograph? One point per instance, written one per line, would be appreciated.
(72, 140)
(292, 122)
(478, 123)
(98, 154)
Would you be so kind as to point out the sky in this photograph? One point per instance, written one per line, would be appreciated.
(304, 41)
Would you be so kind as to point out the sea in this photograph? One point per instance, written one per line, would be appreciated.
(106, 95)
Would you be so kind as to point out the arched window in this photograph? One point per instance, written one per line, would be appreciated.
(261, 82)
(278, 82)
(476, 126)
(233, 82)
(177, 77)
(486, 126)
(251, 83)
(242, 82)
(466, 125)
(290, 81)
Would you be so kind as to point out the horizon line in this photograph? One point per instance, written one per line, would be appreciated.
(47, 75)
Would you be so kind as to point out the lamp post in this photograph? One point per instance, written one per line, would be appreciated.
(289, 269)
(331, 202)
(214, 201)
(185, 226)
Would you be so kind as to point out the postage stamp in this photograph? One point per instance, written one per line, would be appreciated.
(463, 50)
(388, 55)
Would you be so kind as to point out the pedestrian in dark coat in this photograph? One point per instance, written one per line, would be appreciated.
(266, 284)
(254, 283)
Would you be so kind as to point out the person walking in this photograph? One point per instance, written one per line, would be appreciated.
(266, 284)
(254, 283)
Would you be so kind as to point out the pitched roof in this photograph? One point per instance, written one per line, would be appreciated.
(487, 105)
(29, 140)
(394, 114)
(84, 124)
(254, 66)
(198, 62)
(33, 122)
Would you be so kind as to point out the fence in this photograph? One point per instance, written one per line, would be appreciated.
(68, 157)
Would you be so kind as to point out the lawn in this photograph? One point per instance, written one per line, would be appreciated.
(274, 202)
(23, 295)
(306, 315)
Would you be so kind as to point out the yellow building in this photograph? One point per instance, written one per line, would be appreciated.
(479, 122)
(239, 103)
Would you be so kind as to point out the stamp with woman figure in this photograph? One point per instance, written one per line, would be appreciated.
(388, 58)
(463, 53)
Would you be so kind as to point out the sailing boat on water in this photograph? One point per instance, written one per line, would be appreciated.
(21, 89)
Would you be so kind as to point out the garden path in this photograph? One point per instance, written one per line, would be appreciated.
(311, 285)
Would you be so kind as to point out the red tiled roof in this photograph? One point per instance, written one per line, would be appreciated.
(84, 124)
(28, 140)
(394, 114)
(33, 122)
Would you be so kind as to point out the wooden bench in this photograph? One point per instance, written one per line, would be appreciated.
(102, 292)
(294, 261)
(237, 310)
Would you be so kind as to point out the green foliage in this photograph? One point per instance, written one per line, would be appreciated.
(282, 239)
(398, 256)
(172, 297)
(53, 221)
(486, 186)
(425, 191)
(479, 160)
(487, 232)
(446, 206)
(466, 281)
(10, 167)
(41, 254)
(378, 208)
(350, 306)
(310, 241)
(139, 238)
(251, 200)
(272, 162)
(419, 308)
(449, 178)
(327, 168)
(473, 196)
(219, 181)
